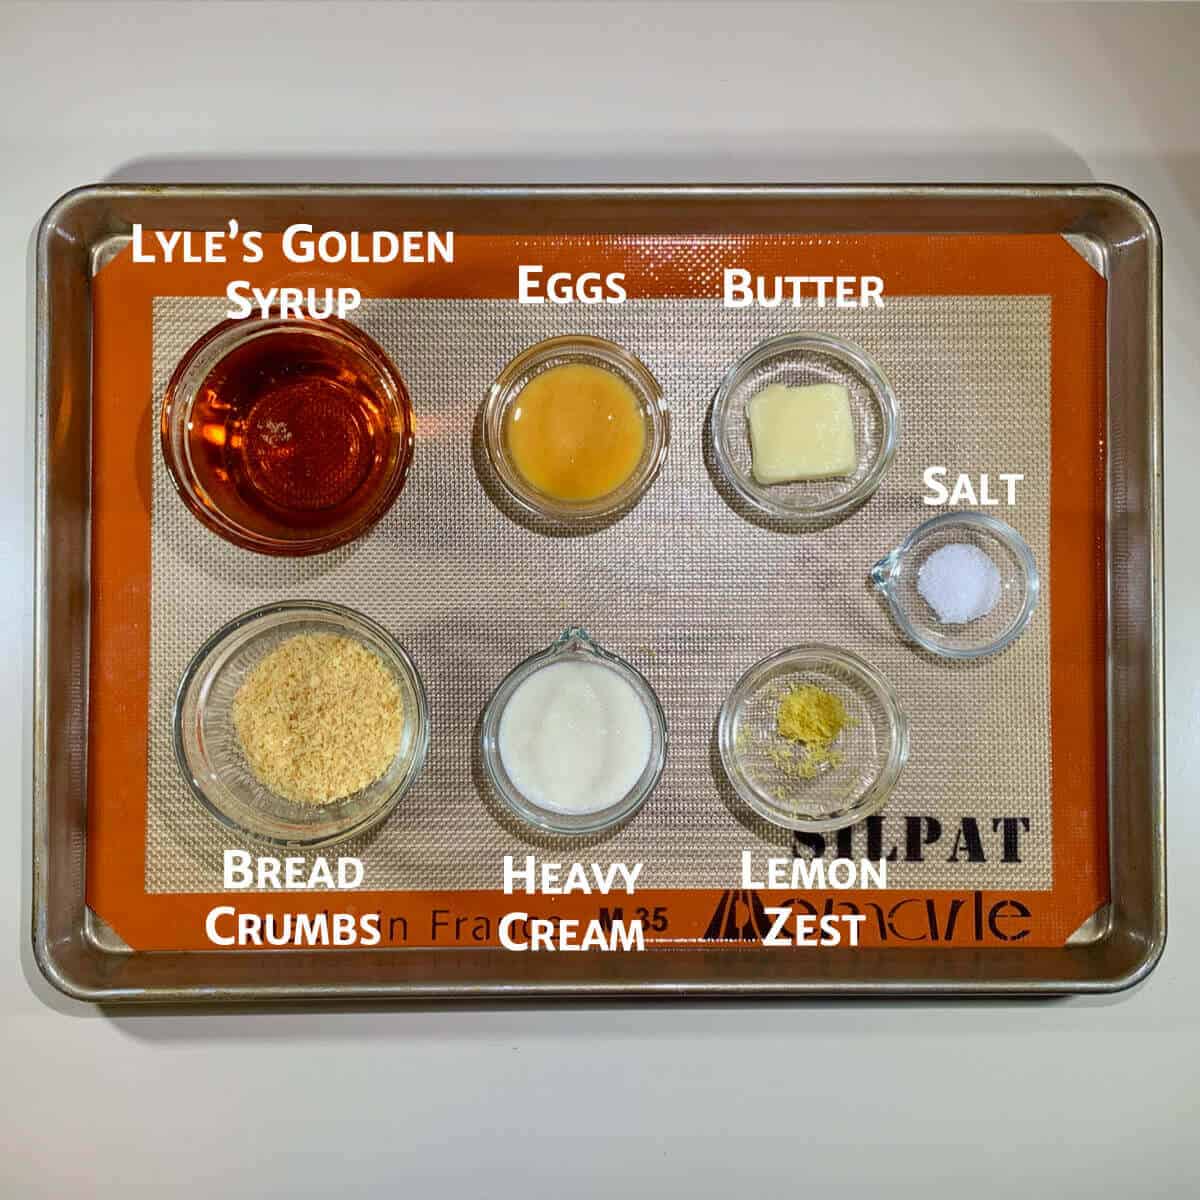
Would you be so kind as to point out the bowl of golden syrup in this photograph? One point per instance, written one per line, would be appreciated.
(287, 436)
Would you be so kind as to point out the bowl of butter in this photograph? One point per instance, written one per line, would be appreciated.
(804, 427)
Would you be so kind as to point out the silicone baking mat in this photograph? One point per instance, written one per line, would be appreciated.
(685, 587)
(690, 587)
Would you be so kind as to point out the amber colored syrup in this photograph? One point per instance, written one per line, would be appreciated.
(576, 432)
(289, 435)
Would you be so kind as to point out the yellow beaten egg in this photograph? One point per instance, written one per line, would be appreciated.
(576, 432)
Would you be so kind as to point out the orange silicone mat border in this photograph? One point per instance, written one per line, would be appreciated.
(655, 266)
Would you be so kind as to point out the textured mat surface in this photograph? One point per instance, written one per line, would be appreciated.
(686, 587)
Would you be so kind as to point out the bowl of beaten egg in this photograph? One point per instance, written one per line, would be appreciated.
(576, 429)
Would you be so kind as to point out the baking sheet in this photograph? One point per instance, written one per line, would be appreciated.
(95, 389)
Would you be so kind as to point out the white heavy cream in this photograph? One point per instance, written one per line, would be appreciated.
(574, 737)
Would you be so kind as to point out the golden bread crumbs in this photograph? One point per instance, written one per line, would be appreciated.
(318, 718)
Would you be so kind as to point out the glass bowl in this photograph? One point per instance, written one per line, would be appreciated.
(895, 575)
(798, 360)
(287, 436)
(564, 351)
(572, 645)
(210, 755)
(873, 745)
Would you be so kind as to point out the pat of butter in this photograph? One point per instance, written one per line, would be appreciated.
(801, 433)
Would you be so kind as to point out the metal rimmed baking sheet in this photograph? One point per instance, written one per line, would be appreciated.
(1123, 241)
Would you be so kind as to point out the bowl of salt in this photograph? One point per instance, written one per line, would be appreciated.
(962, 585)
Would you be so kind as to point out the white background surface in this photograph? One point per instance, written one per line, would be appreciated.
(1089, 1098)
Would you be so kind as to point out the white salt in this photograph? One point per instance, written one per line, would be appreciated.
(960, 583)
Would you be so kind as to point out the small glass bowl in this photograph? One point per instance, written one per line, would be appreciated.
(572, 644)
(211, 758)
(798, 360)
(873, 745)
(324, 347)
(895, 575)
(564, 351)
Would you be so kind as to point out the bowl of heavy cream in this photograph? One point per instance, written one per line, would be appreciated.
(574, 739)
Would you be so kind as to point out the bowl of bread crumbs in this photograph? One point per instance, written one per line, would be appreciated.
(813, 738)
(301, 724)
